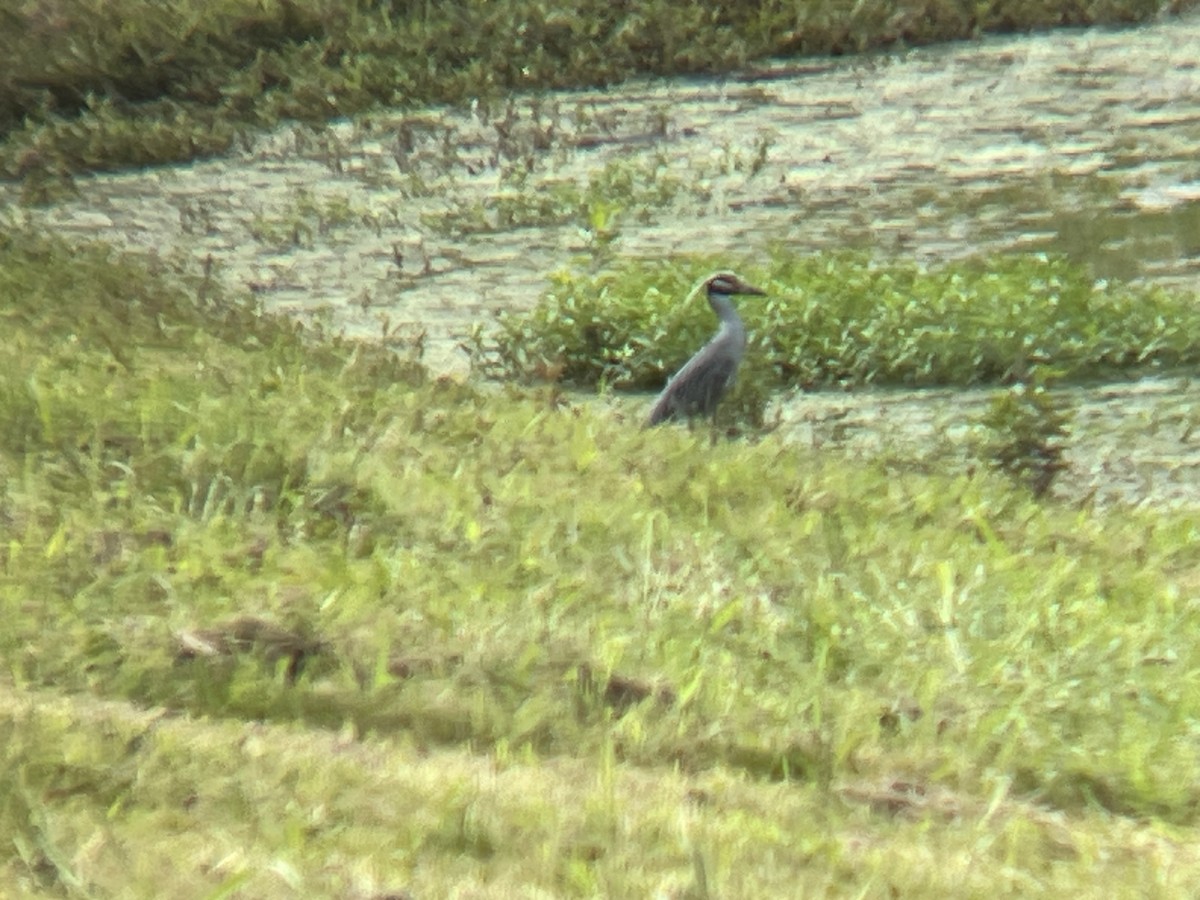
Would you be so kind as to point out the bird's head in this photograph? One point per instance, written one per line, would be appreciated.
(727, 283)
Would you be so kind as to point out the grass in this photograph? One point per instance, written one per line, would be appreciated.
(307, 217)
(94, 85)
(619, 189)
(284, 614)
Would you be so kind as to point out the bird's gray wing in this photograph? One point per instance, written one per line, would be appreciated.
(698, 386)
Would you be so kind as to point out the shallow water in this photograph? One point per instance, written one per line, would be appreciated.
(431, 221)
(1130, 443)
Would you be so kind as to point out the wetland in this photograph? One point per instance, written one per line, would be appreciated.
(418, 227)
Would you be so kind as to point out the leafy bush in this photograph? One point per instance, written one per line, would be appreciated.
(847, 320)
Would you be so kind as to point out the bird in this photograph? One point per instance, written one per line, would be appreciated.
(697, 388)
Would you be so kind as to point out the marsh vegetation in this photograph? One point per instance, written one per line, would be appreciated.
(97, 85)
(428, 221)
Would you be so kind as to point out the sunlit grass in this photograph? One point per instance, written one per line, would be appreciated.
(508, 645)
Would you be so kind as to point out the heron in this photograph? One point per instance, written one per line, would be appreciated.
(697, 388)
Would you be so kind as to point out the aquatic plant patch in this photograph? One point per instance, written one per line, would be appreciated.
(847, 319)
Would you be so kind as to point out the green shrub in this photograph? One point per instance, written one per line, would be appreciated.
(847, 320)
(1024, 431)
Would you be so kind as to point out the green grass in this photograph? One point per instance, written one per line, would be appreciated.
(285, 615)
(95, 85)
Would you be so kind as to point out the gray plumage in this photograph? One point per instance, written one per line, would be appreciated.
(697, 388)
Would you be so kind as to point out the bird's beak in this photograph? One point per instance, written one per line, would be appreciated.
(744, 288)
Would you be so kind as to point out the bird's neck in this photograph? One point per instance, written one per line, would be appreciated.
(722, 305)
